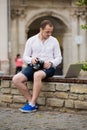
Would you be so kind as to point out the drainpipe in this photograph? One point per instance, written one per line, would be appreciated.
(9, 34)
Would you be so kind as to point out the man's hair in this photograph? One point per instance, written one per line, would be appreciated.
(46, 22)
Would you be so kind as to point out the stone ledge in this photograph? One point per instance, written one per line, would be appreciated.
(57, 93)
(6, 77)
(53, 79)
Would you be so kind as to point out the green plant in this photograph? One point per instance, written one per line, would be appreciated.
(81, 2)
(84, 67)
(84, 26)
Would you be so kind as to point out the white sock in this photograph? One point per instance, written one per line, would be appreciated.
(31, 104)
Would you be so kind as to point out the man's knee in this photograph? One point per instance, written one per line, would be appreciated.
(14, 80)
(39, 75)
(36, 75)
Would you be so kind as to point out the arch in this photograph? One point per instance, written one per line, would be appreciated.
(51, 13)
(61, 35)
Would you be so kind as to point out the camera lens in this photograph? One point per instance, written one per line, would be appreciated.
(38, 65)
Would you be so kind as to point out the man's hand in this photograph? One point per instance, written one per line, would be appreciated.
(34, 60)
(47, 65)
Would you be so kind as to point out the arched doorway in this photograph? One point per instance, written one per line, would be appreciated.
(59, 30)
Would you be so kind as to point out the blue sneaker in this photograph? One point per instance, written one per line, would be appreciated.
(28, 108)
(36, 105)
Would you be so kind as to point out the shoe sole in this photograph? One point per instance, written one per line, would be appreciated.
(27, 111)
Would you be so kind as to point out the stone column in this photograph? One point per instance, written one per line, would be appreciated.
(79, 46)
(18, 32)
(4, 62)
(83, 33)
(67, 53)
(75, 33)
(21, 29)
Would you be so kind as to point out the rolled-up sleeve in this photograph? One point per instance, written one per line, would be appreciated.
(27, 52)
(57, 55)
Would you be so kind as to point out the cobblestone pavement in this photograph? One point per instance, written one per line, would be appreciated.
(13, 119)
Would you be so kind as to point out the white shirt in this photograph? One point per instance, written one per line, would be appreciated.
(47, 51)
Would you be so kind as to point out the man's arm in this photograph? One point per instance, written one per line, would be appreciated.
(57, 55)
(27, 52)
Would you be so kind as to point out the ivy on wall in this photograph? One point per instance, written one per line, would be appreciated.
(82, 3)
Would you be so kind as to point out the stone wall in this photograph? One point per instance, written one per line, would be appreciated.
(54, 96)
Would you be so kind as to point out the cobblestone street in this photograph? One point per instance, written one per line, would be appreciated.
(13, 119)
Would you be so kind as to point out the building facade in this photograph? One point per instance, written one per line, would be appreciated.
(22, 18)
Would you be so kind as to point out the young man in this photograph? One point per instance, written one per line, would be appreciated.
(42, 47)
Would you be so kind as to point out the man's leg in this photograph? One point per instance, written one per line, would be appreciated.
(19, 81)
(38, 76)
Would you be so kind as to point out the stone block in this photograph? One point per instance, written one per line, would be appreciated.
(81, 105)
(48, 87)
(5, 90)
(41, 101)
(18, 99)
(62, 95)
(13, 86)
(5, 83)
(16, 105)
(29, 85)
(78, 88)
(85, 96)
(69, 104)
(4, 104)
(55, 102)
(73, 96)
(62, 87)
(6, 98)
(15, 92)
(47, 94)
(81, 97)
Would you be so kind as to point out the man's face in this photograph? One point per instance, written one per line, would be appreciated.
(46, 32)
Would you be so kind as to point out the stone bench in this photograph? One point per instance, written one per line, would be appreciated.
(53, 79)
(58, 93)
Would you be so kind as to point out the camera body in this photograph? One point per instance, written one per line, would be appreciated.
(39, 65)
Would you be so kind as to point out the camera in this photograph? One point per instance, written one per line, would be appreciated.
(39, 65)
